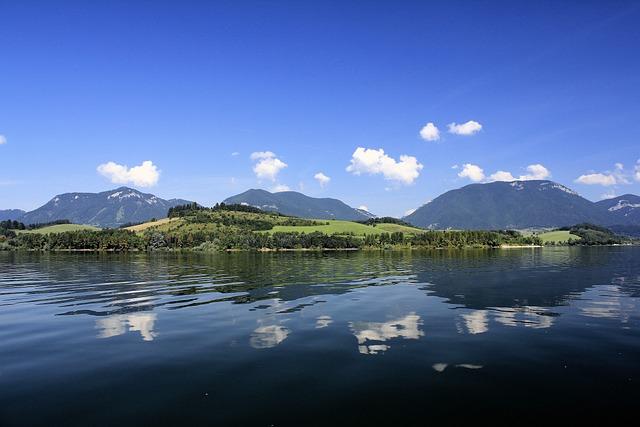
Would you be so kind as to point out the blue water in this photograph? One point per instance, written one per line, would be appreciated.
(364, 338)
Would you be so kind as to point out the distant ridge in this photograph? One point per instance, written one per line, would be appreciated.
(300, 205)
(11, 214)
(623, 210)
(106, 209)
(510, 205)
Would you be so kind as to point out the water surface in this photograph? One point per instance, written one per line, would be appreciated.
(364, 338)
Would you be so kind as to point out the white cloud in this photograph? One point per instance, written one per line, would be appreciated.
(473, 172)
(371, 161)
(469, 128)
(608, 178)
(410, 211)
(476, 174)
(637, 174)
(536, 171)
(502, 176)
(596, 179)
(363, 208)
(144, 175)
(322, 179)
(235, 153)
(430, 132)
(3, 139)
(455, 167)
(280, 187)
(268, 165)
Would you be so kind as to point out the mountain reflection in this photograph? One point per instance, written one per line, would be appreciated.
(370, 334)
(120, 324)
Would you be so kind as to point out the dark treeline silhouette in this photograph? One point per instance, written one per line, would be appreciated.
(191, 208)
(183, 210)
(8, 227)
(386, 220)
(17, 225)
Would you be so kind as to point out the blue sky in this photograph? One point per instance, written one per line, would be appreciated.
(196, 87)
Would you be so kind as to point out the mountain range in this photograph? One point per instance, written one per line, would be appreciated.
(106, 209)
(496, 205)
(297, 204)
(521, 204)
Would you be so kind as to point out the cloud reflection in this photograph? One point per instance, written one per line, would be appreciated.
(268, 336)
(370, 334)
(122, 323)
(323, 322)
(476, 322)
(527, 316)
(608, 303)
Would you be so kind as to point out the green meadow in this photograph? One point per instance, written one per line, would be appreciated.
(558, 236)
(345, 227)
(60, 228)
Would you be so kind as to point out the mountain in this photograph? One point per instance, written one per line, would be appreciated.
(623, 210)
(12, 214)
(509, 205)
(300, 205)
(107, 209)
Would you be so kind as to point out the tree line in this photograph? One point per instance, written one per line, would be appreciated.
(244, 239)
(191, 208)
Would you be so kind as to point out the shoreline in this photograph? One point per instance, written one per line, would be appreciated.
(271, 250)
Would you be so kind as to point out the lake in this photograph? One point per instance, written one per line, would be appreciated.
(348, 338)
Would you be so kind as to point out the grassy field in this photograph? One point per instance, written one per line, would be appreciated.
(557, 236)
(343, 227)
(141, 227)
(60, 228)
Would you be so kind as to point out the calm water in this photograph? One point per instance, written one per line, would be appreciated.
(318, 339)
